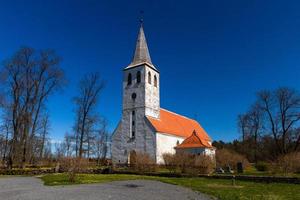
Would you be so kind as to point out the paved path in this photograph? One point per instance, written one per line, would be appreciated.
(30, 188)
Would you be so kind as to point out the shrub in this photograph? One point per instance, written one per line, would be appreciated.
(204, 164)
(188, 163)
(289, 163)
(262, 166)
(170, 162)
(225, 157)
(73, 166)
(185, 162)
(142, 162)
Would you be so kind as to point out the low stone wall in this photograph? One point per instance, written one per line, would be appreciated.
(265, 179)
(39, 171)
(27, 172)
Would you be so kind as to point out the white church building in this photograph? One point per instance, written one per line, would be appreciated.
(145, 126)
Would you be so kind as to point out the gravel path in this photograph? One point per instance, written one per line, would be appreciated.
(30, 188)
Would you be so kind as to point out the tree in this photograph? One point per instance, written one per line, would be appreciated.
(102, 140)
(68, 144)
(90, 88)
(5, 131)
(251, 125)
(43, 135)
(31, 76)
(272, 125)
(282, 111)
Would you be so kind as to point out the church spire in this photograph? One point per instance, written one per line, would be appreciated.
(141, 54)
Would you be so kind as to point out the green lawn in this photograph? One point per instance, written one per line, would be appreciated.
(221, 189)
(62, 179)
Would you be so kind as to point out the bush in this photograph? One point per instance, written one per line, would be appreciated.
(289, 163)
(142, 162)
(204, 164)
(189, 164)
(73, 166)
(225, 157)
(170, 162)
(262, 166)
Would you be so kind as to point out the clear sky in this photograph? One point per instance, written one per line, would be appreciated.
(212, 55)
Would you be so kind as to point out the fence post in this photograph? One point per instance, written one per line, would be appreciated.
(233, 180)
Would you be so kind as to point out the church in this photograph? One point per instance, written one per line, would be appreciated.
(145, 126)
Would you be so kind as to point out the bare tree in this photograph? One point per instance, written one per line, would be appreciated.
(59, 150)
(68, 144)
(251, 125)
(102, 140)
(5, 129)
(282, 109)
(243, 125)
(90, 88)
(31, 77)
(45, 126)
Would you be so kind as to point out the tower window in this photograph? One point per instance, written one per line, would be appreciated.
(155, 81)
(133, 96)
(129, 79)
(149, 77)
(132, 124)
(138, 77)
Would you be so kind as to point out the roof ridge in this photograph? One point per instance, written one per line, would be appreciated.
(199, 138)
(177, 114)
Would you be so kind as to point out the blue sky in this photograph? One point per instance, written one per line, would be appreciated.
(213, 56)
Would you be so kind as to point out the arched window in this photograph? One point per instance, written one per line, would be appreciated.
(138, 77)
(149, 77)
(129, 79)
(155, 81)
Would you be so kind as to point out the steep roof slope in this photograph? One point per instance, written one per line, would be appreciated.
(141, 53)
(178, 125)
(194, 141)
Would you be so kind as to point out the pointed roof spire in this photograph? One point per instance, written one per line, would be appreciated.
(141, 54)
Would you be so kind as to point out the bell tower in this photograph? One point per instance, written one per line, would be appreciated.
(140, 88)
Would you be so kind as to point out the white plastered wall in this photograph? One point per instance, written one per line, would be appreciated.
(210, 152)
(165, 143)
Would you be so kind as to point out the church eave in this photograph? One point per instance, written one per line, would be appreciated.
(140, 64)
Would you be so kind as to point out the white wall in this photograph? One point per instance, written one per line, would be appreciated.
(165, 143)
(210, 152)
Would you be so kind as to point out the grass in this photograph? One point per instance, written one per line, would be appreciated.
(62, 179)
(222, 189)
(251, 170)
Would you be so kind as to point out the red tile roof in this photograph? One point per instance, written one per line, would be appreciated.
(178, 125)
(194, 141)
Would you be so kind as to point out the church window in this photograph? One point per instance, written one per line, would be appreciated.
(133, 96)
(129, 79)
(155, 81)
(138, 77)
(132, 125)
(149, 77)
